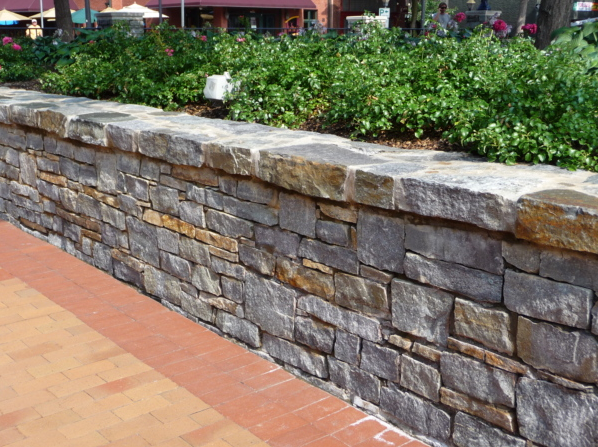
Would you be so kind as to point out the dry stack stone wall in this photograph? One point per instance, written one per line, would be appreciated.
(452, 297)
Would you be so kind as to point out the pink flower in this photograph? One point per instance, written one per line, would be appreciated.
(16, 47)
(204, 38)
(240, 39)
(531, 28)
(169, 52)
(499, 25)
(6, 40)
(460, 17)
(92, 41)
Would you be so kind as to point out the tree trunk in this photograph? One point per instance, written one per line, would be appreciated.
(554, 14)
(521, 17)
(414, 14)
(64, 20)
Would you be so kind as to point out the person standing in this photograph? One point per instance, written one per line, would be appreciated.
(33, 31)
(441, 16)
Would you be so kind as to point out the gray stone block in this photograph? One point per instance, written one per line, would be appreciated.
(469, 431)
(88, 175)
(421, 311)
(113, 216)
(557, 417)
(361, 383)
(128, 274)
(137, 187)
(162, 285)
(258, 260)
(150, 169)
(11, 157)
(168, 241)
(192, 213)
(28, 169)
(254, 191)
(130, 206)
(239, 328)
(251, 211)
(477, 379)
(69, 169)
(196, 194)
(85, 154)
(479, 285)
(570, 354)
(43, 164)
(206, 280)
(468, 248)
(270, 305)
(576, 268)
(361, 295)
(298, 214)
(523, 255)
(381, 361)
(305, 360)
(34, 141)
(176, 266)
(420, 378)
(172, 182)
(314, 334)
(143, 239)
(365, 327)
(102, 257)
(416, 413)
(228, 185)
(330, 255)
(164, 199)
(194, 251)
(548, 300)
(228, 225)
(214, 199)
(107, 173)
(277, 241)
(232, 289)
(197, 307)
(333, 233)
(228, 268)
(88, 206)
(595, 319)
(129, 163)
(493, 328)
(380, 240)
(116, 238)
(347, 347)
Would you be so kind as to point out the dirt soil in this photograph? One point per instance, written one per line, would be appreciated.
(393, 139)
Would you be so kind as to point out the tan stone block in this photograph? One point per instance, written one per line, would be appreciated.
(53, 178)
(466, 348)
(427, 352)
(505, 363)
(232, 257)
(338, 212)
(401, 342)
(217, 240)
(102, 197)
(153, 217)
(33, 225)
(178, 225)
(91, 235)
(317, 266)
(204, 176)
(306, 279)
(495, 415)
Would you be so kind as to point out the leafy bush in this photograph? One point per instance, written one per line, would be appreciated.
(17, 61)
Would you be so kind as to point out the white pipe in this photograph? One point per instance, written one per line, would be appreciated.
(41, 12)
(182, 13)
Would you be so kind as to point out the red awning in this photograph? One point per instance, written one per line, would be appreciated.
(30, 5)
(274, 4)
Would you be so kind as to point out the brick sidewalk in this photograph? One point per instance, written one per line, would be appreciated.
(87, 361)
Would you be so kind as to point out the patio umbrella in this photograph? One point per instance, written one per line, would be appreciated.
(50, 14)
(147, 13)
(79, 16)
(9, 16)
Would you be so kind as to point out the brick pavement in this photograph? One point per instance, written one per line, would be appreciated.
(87, 361)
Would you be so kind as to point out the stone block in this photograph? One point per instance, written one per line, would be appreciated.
(346, 214)
(330, 255)
(172, 182)
(34, 141)
(477, 379)
(206, 280)
(88, 175)
(129, 163)
(304, 359)
(361, 295)
(102, 257)
(88, 206)
(251, 211)
(380, 240)
(176, 266)
(493, 328)
(192, 213)
(257, 192)
(333, 233)
(216, 240)
(476, 284)
(164, 199)
(162, 285)
(270, 305)
(116, 238)
(143, 239)
(28, 169)
(68, 199)
(11, 157)
(298, 214)
(277, 241)
(44, 164)
(258, 260)
(415, 412)
(466, 348)
(570, 354)
(361, 383)
(467, 248)
(196, 194)
(197, 307)
(491, 413)
(381, 361)
(69, 169)
(107, 173)
(595, 319)
(130, 206)
(303, 278)
(470, 431)
(421, 311)
(228, 225)
(150, 169)
(548, 300)
(314, 334)
(136, 186)
(168, 241)
(401, 342)
(228, 185)
(223, 267)
(178, 225)
(420, 378)
(347, 347)
(214, 199)
(222, 303)
(364, 327)
(232, 289)
(576, 268)
(127, 274)
(239, 328)
(523, 255)
(554, 416)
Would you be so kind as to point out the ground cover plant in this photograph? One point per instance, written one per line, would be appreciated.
(500, 98)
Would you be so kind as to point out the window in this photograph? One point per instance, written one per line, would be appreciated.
(310, 17)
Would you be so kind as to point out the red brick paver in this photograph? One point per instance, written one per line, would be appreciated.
(87, 361)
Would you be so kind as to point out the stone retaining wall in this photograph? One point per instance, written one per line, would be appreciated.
(452, 297)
